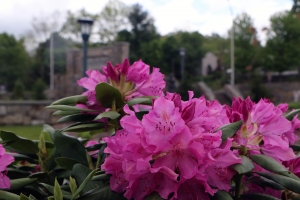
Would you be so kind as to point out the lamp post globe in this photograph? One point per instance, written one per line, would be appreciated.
(86, 28)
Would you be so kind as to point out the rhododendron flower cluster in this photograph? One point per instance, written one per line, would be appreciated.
(176, 150)
(132, 81)
(265, 130)
(5, 160)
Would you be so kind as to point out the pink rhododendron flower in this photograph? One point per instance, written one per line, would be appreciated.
(5, 160)
(265, 130)
(132, 81)
(175, 150)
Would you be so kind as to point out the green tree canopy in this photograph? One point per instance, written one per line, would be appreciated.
(282, 48)
(14, 60)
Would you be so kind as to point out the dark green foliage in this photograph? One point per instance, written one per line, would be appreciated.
(282, 49)
(257, 88)
(14, 61)
(38, 89)
(18, 91)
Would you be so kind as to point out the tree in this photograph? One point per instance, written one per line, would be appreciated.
(282, 48)
(142, 31)
(14, 61)
(111, 20)
(246, 44)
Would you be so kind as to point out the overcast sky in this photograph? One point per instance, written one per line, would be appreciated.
(205, 16)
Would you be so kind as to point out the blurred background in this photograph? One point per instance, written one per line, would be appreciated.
(219, 48)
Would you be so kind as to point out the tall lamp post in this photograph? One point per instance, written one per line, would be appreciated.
(86, 27)
(182, 54)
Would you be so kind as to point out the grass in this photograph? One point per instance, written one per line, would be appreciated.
(30, 132)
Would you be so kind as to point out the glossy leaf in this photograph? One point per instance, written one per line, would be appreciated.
(109, 114)
(264, 182)
(77, 118)
(287, 182)
(50, 189)
(73, 185)
(268, 163)
(259, 196)
(20, 157)
(83, 127)
(66, 163)
(4, 195)
(18, 144)
(295, 147)
(57, 191)
(70, 147)
(21, 182)
(221, 195)
(72, 100)
(292, 114)
(101, 177)
(141, 114)
(107, 94)
(103, 192)
(62, 112)
(245, 167)
(84, 183)
(38, 175)
(140, 100)
(230, 129)
(69, 108)
(80, 173)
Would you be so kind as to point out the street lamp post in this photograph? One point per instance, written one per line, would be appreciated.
(86, 27)
(182, 54)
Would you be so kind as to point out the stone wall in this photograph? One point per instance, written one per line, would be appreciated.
(26, 113)
(282, 92)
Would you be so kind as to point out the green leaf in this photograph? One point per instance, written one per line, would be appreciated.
(70, 108)
(245, 167)
(18, 144)
(73, 185)
(221, 195)
(57, 191)
(289, 174)
(51, 189)
(103, 192)
(101, 177)
(51, 198)
(140, 100)
(295, 147)
(38, 175)
(109, 114)
(21, 182)
(84, 183)
(32, 197)
(141, 114)
(230, 129)
(70, 147)
(268, 163)
(62, 112)
(292, 114)
(72, 100)
(23, 197)
(77, 118)
(264, 182)
(153, 196)
(259, 196)
(66, 163)
(83, 127)
(107, 94)
(287, 182)
(20, 157)
(80, 173)
(8, 196)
